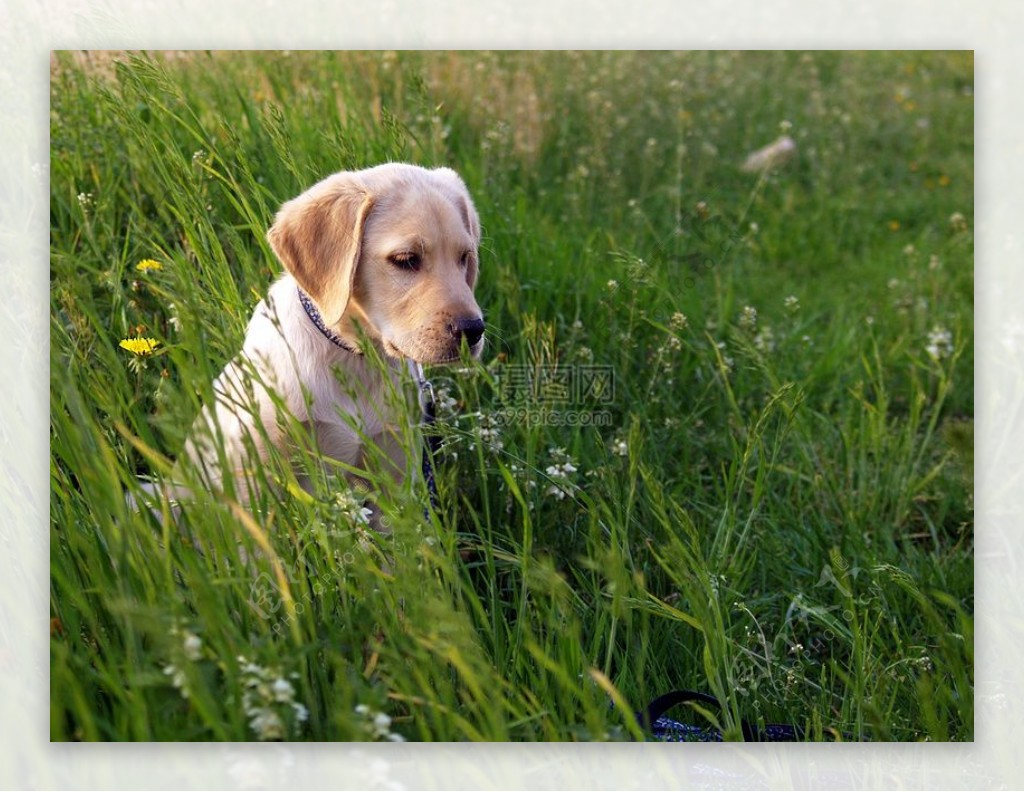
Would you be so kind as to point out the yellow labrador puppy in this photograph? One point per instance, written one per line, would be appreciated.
(383, 257)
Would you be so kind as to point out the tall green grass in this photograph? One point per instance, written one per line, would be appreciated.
(773, 504)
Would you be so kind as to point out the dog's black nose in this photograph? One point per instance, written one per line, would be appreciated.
(470, 329)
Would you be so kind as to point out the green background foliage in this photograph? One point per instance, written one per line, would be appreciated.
(774, 506)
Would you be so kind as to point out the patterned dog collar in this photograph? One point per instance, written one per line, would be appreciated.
(318, 320)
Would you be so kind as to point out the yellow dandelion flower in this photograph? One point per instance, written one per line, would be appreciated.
(139, 346)
(894, 225)
(944, 180)
(148, 264)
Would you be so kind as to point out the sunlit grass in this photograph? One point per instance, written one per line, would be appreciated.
(770, 500)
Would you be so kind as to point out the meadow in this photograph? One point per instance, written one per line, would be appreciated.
(721, 437)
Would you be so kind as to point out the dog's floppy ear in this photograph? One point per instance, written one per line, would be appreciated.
(459, 195)
(472, 222)
(318, 237)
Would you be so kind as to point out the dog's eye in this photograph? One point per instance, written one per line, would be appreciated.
(466, 258)
(406, 260)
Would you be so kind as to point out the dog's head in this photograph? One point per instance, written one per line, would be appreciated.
(392, 249)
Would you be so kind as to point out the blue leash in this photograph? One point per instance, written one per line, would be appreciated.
(652, 719)
(431, 439)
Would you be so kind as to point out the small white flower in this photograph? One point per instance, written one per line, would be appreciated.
(748, 317)
(488, 431)
(345, 501)
(620, 448)
(560, 475)
(678, 321)
(348, 505)
(266, 724)
(85, 199)
(177, 679)
(174, 320)
(957, 222)
(381, 724)
(556, 492)
(726, 360)
(613, 285)
(193, 646)
(377, 724)
(283, 690)
(940, 343)
(765, 340)
(264, 689)
(444, 401)
(792, 303)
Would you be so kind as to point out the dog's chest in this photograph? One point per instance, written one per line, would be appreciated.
(344, 418)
